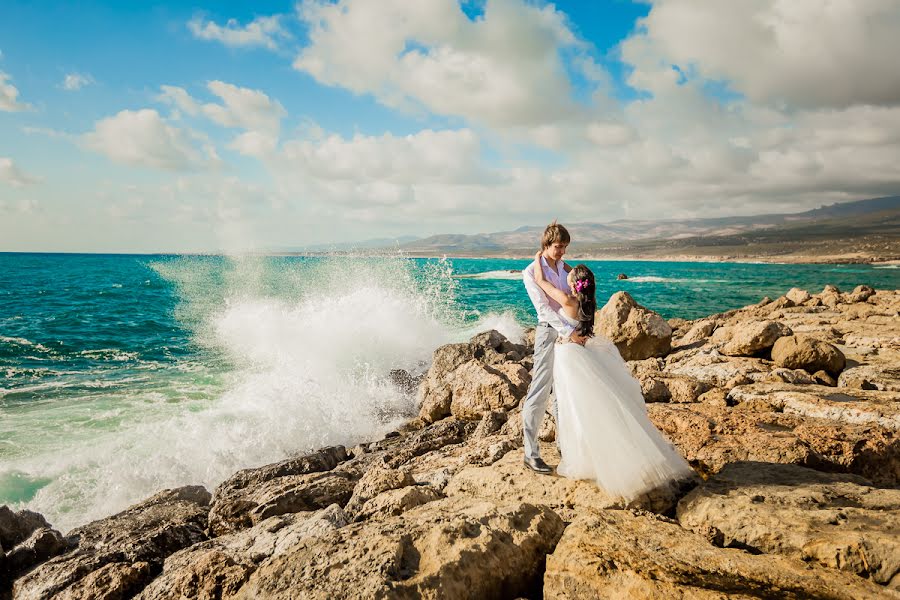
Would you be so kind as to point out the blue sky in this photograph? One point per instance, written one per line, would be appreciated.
(181, 127)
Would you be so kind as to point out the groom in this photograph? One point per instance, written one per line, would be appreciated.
(550, 327)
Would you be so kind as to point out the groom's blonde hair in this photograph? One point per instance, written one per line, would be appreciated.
(554, 233)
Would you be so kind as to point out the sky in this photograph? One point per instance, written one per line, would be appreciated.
(180, 127)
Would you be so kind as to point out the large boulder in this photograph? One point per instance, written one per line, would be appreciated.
(637, 332)
(477, 388)
(837, 521)
(860, 293)
(487, 373)
(116, 556)
(753, 338)
(616, 554)
(453, 548)
(807, 353)
(831, 296)
(797, 296)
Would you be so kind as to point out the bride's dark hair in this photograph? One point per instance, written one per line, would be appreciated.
(585, 292)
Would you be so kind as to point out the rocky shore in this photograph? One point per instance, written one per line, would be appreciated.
(789, 411)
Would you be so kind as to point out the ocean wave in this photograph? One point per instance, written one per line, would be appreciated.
(503, 274)
(887, 267)
(656, 279)
(311, 346)
(18, 341)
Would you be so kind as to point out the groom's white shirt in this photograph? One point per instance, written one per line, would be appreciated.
(547, 308)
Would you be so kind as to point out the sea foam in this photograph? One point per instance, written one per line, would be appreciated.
(308, 348)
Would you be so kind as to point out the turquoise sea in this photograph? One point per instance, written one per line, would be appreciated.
(122, 374)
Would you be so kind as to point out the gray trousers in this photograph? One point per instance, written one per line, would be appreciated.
(539, 391)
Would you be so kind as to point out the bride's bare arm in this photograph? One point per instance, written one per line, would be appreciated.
(548, 288)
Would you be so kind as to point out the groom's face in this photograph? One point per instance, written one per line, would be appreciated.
(556, 250)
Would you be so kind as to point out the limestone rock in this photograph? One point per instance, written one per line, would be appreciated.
(293, 493)
(490, 423)
(453, 548)
(699, 331)
(830, 296)
(710, 437)
(145, 533)
(477, 388)
(754, 338)
(378, 479)
(219, 567)
(860, 293)
(871, 377)
(321, 460)
(797, 296)
(396, 502)
(837, 521)
(617, 554)
(809, 354)
(637, 332)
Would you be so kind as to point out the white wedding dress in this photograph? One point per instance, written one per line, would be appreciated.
(604, 432)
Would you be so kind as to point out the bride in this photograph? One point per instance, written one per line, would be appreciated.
(603, 430)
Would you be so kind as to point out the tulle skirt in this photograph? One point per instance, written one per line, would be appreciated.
(603, 430)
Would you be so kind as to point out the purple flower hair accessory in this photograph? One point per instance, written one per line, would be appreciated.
(581, 285)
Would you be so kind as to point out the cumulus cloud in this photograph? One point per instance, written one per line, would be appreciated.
(261, 31)
(9, 96)
(799, 53)
(241, 108)
(143, 138)
(502, 69)
(75, 81)
(13, 175)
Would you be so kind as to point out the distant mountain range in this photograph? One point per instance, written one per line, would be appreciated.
(870, 228)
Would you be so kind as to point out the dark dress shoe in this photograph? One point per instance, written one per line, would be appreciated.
(538, 465)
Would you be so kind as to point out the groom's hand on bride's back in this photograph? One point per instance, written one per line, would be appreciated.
(578, 339)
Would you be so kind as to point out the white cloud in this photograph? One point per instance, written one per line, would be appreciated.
(799, 53)
(143, 138)
(75, 81)
(244, 108)
(9, 96)
(262, 31)
(503, 69)
(13, 175)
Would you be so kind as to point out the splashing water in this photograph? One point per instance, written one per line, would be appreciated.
(292, 354)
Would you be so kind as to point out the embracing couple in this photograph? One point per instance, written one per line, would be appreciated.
(602, 427)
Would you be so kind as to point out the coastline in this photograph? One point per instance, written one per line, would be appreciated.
(339, 509)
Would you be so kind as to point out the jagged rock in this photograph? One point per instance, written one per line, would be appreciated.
(16, 527)
(490, 423)
(797, 296)
(378, 479)
(145, 533)
(710, 367)
(779, 304)
(293, 493)
(396, 502)
(830, 296)
(823, 378)
(754, 338)
(654, 389)
(837, 521)
(871, 377)
(471, 377)
(637, 332)
(809, 354)
(622, 555)
(477, 388)
(41, 545)
(321, 460)
(714, 397)
(453, 548)
(847, 406)
(860, 293)
(219, 567)
(795, 376)
(710, 437)
(111, 581)
(698, 332)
